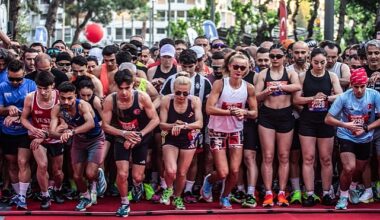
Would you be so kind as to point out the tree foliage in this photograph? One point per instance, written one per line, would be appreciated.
(197, 16)
(178, 29)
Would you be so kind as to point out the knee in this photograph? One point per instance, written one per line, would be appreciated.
(92, 174)
(122, 176)
(42, 167)
(171, 172)
(58, 174)
(308, 160)
(23, 163)
(349, 169)
(77, 176)
(326, 161)
(138, 177)
(283, 158)
(223, 173)
(268, 159)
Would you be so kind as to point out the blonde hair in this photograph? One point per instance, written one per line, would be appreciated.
(182, 80)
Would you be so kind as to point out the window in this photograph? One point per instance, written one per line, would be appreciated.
(180, 1)
(172, 15)
(67, 35)
(161, 30)
(180, 14)
(119, 34)
(128, 32)
(147, 30)
(58, 34)
(138, 31)
(109, 31)
(45, 1)
(161, 16)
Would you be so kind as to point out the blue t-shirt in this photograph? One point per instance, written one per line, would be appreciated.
(4, 76)
(361, 111)
(10, 95)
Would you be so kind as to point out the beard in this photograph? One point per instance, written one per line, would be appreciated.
(301, 61)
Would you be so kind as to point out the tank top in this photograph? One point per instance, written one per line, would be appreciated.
(317, 109)
(229, 97)
(337, 69)
(271, 82)
(249, 78)
(78, 120)
(91, 101)
(132, 119)
(186, 136)
(104, 79)
(41, 116)
(160, 74)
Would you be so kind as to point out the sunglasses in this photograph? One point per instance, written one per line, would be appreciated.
(236, 67)
(277, 56)
(15, 79)
(216, 46)
(179, 93)
(216, 67)
(64, 64)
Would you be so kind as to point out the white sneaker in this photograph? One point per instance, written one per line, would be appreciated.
(366, 197)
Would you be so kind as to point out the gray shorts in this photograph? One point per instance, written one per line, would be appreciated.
(86, 149)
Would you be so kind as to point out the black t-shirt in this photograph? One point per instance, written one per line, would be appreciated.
(60, 76)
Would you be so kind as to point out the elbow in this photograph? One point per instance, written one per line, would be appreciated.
(328, 120)
(208, 110)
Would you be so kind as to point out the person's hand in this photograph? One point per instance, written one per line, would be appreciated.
(13, 111)
(133, 137)
(179, 122)
(9, 120)
(38, 133)
(352, 126)
(36, 143)
(176, 130)
(374, 77)
(358, 132)
(158, 81)
(66, 136)
(320, 95)
(238, 112)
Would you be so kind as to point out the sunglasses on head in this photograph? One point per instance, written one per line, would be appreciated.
(236, 67)
(277, 56)
(178, 93)
(15, 79)
(215, 46)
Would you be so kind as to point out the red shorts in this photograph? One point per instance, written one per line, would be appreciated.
(221, 140)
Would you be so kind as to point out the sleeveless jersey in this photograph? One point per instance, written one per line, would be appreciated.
(229, 98)
(41, 116)
(337, 69)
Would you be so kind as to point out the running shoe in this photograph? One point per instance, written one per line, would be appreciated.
(137, 192)
(149, 191)
(6, 195)
(45, 203)
(21, 204)
(157, 195)
(178, 203)
(123, 210)
(206, 190)
(94, 197)
(281, 200)
(14, 200)
(296, 197)
(342, 203)
(57, 196)
(327, 200)
(311, 200)
(165, 198)
(354, 196)
(366, 197)
(189, 197)
(238, 197)
(113, 191)
(101, 185)
(83, 204)
(249, 201)
(225, 203)
(268, 201)
(29, 192)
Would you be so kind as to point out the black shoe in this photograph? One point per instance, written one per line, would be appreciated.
(309, 202)
(46, 202)
(327, 200)
(57, 196)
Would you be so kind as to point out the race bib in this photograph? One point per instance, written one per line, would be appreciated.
(229, 105)
(359, 120)
(318, 105)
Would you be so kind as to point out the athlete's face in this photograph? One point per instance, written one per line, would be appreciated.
(45, 92)
(125, 90)
(277, 57)
(300, 54)
(29, 61)
(373, 55)
(359, 90)
(263, 61)
(238, 67)
(110, 61)
(318, 63)
(78, 70)
(86, 94)
(190, 68)
(181, 92)
(16, 78)
(332, 56)
(166, 61)
(67, 99)
(91, 65)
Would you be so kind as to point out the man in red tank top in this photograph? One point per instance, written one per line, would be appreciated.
(37, 106)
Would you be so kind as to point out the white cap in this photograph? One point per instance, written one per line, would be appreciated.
(167, 50)
(199, 50)
(129, 66)
(97, 52)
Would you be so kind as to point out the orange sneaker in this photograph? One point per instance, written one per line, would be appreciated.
(268, 201)
(281, 200)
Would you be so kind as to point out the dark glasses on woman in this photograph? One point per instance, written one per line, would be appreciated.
(236, 67)
(179, 93)
(277, 56)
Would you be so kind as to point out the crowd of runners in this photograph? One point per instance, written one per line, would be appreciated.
(277, 123)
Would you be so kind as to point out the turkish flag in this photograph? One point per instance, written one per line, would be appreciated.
(282, 21)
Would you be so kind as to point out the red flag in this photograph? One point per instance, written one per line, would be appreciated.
(282, 21)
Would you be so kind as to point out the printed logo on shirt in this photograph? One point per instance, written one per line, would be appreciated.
(130, 126)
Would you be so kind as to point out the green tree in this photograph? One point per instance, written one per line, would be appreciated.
(197, 16)
(178, 29)
(98, 11)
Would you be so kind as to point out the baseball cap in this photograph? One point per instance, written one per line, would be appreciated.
(167, 50)
(198, 50)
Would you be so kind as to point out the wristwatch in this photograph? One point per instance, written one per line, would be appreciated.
(185, 125)
(365, 127)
